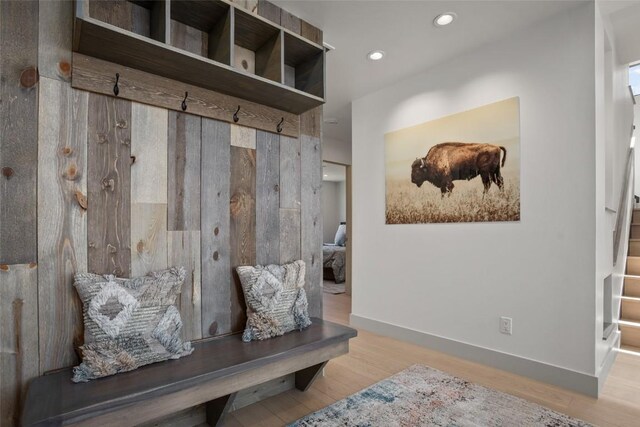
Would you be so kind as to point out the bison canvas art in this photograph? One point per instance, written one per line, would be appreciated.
(460, 168)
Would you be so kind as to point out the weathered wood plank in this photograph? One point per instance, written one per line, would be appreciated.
(55, 30)
(311, 220)
(18, 337)
(98, 76)
(243, 225)
(148, 154)
(215, 228)
(244, 59)
(244, 137)
(310, 32)
(109, 185)
(289, 235)
(62, 220)
(289, 173)
(124, 14)
(267, 198)
(185, 133)
(289, 21)
(270, 11)
(184, 251)
(148, 238)
(19, 131)
(189, 38)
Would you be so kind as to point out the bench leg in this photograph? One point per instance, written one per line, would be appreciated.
(306, 377)
(218, 408)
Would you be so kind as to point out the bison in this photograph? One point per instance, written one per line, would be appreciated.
(450, 161)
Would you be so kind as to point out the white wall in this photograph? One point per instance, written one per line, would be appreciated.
(455, 280)
(331, 215)
(336, 151)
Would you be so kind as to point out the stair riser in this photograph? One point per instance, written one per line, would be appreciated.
(630, 310)
(630, 335)
(634, 248)
(636, 216)
(631, 287)
(633, 266)
(635, 231)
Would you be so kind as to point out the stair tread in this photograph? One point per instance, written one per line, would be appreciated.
(630, 348)
(630, 298)
(631, 323)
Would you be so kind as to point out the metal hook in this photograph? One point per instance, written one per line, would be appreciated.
(184, 101)
(116, 89)
(279, 127)
(235, 115)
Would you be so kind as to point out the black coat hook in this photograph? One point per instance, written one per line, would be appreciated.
(184, 101)
(235, 115)
(279, 127)
(116, 89)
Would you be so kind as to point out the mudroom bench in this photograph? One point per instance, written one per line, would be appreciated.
(213, 374)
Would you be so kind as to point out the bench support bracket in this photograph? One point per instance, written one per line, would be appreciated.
(218, 408)
(305, 377)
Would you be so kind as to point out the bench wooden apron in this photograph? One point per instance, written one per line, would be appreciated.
(213, 374)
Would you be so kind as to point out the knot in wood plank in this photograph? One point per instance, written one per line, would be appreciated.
(111, 249)
(121, 124)
(29, 77)
(67, 151)
(64, 69)
(71, 174)
(102, 138)
(7, 172)
(81, 199)
(108, 183)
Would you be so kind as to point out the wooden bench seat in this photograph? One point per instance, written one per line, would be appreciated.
(217, 369)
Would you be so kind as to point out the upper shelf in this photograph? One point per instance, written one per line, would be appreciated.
(206, 43)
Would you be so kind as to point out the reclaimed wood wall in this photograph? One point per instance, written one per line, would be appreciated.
(96, 183)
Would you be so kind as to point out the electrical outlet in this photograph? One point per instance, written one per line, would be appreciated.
(506, 325)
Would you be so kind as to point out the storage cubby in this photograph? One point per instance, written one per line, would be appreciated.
(258, 46)
(143, 17)
(208, 43)
(303, 65)
(203, 28)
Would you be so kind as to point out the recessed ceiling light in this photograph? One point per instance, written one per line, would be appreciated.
(375, 55)
(444, 19)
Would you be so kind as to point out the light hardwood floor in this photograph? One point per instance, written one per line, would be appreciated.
(373, 357)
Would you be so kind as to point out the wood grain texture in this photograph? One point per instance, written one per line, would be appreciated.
(243, 226)
(290, 21)
(18, 337)
(267, 198)
(215, 228)
(62, 222)
(310, 32)
(149, 154)
(244, 137)
(183, 248)
(189, 38)
(289, 173)
(184, 148)
(55, 28)
(269, 59)
(148, 238)
(289, 235)
(269, 11)
(95, 75)
(311, 209)
(19, 132)
(123, 14)
(109, 185)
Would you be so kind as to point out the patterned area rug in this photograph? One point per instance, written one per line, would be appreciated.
(421, 396)
(333, 288)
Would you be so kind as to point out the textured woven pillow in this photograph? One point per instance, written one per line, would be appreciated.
(129, 323)
(276, 300)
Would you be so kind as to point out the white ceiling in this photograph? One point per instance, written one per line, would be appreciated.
(404, 30)
(624, 16)
(333, 172)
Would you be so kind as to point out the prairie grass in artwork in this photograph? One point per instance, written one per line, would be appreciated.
(460, 168)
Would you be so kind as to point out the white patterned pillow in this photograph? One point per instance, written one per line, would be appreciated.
(276, 300)
(129, 323)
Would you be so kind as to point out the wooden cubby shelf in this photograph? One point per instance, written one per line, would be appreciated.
(207, 43)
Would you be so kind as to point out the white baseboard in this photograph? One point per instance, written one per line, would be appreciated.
(561, 377)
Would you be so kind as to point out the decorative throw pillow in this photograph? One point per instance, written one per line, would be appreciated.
(276, 300)
(341, 235)
(129, 323)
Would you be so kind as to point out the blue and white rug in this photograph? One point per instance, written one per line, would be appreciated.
(421, 396)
